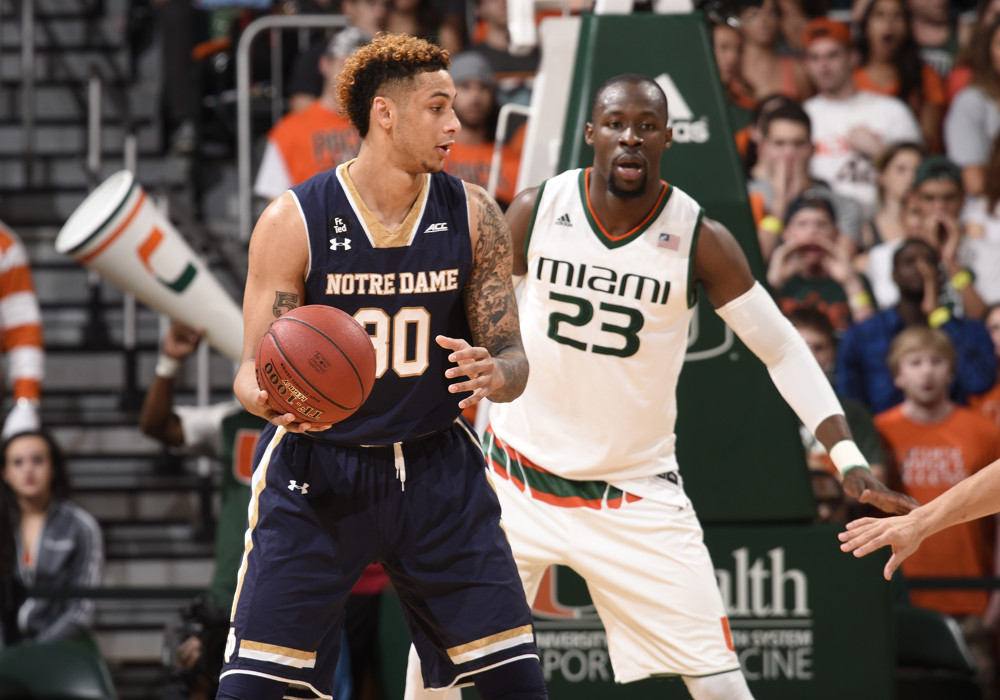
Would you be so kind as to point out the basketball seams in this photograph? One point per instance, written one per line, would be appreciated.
(335, 344)
(292, 363)
(293, 369)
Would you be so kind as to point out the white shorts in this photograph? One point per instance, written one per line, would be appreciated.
(644, 559)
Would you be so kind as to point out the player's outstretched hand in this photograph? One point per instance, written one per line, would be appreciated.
(860, 484)
(903, 533)
(476, 364)
(255, 400)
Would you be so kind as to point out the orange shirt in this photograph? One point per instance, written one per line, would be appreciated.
(313, 140)
(933, 87)
(959, 79)
(988, 404)
(930, 458)
(472, 164)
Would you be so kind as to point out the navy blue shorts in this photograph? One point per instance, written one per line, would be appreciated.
(320, 513)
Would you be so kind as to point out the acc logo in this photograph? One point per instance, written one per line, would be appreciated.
(339, 226)
(686, 128)
(436, 228)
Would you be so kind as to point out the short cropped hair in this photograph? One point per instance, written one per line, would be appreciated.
(791, 112)
(915, 338)
(812, 318)
(914, 243)
(629, 79)
(388, 61)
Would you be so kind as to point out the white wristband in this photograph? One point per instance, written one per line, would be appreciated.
(846, 456)
(166, 366)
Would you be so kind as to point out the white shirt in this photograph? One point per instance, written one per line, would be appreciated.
(847, 171)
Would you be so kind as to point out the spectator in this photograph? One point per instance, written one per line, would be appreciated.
(989, 403)
(850, 127)
(306, 81)
(937, 185)
(891, 65)
(973, 120)
(515, 75)
(982, 214)
(933, 216)
(782, 174)
(316, 138)
(933, 444)
(477, 110)
(896, 167)
(57, 544)
(972, 36)
(816, 329)
(884, 233)
(748, 139)
(421, 18)
(763, 68)
(812, 268)
(727, 45)
(862, 373)
(21, 330)
(936, 32)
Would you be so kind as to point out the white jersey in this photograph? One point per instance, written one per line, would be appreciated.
(605, 328)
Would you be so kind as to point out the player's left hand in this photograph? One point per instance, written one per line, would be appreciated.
(476, 364)
(860, 484)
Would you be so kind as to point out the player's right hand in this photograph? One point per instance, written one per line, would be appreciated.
(256, 401)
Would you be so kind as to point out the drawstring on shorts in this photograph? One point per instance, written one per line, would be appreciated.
(397, 451)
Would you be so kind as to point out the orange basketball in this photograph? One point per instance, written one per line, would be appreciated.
(316, 362)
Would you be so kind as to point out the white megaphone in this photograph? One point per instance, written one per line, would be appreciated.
(120, 233)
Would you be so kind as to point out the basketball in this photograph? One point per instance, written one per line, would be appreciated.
(316, 362)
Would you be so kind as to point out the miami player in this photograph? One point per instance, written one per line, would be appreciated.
(584, 459)
(423, 261)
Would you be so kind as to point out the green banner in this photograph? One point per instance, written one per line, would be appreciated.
(737, 440)
(800, 611)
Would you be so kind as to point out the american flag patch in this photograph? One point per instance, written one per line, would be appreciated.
(669, 242)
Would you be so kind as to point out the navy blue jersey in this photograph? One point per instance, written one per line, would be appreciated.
(404, 286)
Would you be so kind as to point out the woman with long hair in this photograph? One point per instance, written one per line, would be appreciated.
(970, 35)
(765, 70)
(56, 544)
(891, 65)
(973, 119)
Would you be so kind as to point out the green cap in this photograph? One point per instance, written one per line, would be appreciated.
(937, 168)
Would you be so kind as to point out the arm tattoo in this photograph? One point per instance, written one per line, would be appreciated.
(284, 301)
(489, 300)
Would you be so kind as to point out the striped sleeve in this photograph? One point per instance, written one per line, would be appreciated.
(20, 319)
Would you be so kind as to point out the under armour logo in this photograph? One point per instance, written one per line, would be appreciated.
(293, 484)
(436, 228)
(337, 243)
(563, 220)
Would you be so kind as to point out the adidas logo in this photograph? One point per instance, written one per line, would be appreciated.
(436, 228)
(563, 220)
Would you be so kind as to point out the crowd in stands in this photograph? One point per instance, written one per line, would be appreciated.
(872, 149)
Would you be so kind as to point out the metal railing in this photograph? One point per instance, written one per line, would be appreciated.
(28, 85)
(243, 135)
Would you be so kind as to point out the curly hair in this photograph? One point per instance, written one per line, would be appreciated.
(388, 60)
